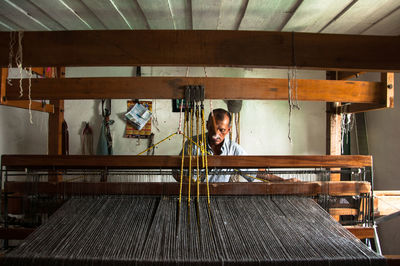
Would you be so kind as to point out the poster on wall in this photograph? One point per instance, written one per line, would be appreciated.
(130, 130)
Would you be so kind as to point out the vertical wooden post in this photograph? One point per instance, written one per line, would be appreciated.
(4, 75)
(388, 78)
(333, 127)
(55, 128)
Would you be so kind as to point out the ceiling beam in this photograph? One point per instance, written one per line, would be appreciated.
(207, 48)
(215, 88)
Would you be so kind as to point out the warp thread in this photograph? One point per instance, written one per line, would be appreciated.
(137, 230)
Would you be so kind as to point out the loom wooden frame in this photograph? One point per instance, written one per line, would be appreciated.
(56, 162)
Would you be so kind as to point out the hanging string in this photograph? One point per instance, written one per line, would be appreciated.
(29, 94)
(183, 159)
(180, 118)
(154, 119)
(10, 55)
(292, 89)
(18, 61)
(237, 124)
(347, 123)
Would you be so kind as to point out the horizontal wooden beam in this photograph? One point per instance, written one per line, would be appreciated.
(351, 188)
(15, 233)
(387, 92)
(343, 211)
(206, 48)
(361, 232)
(37, 106)
(215, 88)
(168, 162)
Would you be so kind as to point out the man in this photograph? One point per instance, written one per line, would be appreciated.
(218, 127)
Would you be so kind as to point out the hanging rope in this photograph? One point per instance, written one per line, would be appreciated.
(29, 94)
(10, 55)
(18, 61)
(292, 88)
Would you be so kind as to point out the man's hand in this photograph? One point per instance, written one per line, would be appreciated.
(274, 178)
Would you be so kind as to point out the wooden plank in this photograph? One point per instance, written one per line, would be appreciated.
(344, 75)
(387, 80)
(37, 106)
(361, 232)
(313, 15)
(167, 162)
(156, 188)
(345, 188)
(207, 48)
(15, 233)
(215, 88)
(343, 211)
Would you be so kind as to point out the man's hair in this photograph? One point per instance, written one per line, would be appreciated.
(220, 114)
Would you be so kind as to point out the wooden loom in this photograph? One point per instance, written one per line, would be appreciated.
(205, 48)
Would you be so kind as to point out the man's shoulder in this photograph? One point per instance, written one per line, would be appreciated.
(235, 149)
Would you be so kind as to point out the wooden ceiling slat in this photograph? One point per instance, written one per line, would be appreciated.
(86, 14)
(38, 14)
(18, 18)
(387, 26)
(133, 14)
(9, 23)
(313, 15)
(158, 14)
(205, 14)
(57, 11)
(231, 13)
(182, 14)
(361, 16)
(107, 14)
(266, 15)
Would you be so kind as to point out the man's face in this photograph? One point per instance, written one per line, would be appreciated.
(216, 135)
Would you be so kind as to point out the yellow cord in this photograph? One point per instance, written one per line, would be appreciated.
(190, 152)
(197, 153)
(205, 157)
(183, 160)
(170, 136)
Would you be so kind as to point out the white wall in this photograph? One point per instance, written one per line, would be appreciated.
(264, 124)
